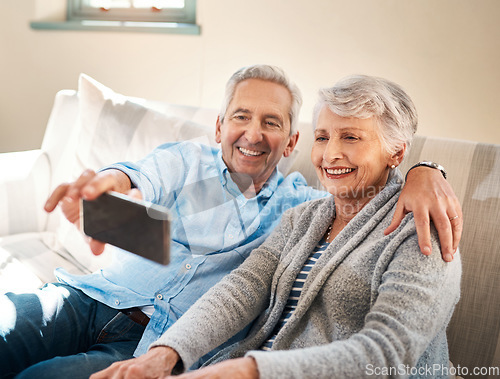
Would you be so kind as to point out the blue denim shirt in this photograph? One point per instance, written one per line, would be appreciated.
(214, 228)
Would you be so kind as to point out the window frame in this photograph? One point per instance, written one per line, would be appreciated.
(79, 10)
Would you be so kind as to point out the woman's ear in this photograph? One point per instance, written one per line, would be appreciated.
(397, 157)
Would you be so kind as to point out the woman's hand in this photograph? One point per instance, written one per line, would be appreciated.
(240, 368)
(430, 197)
(156, 363)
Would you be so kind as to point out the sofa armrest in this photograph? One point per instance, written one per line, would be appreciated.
(24, 187)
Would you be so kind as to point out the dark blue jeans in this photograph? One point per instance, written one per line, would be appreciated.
(59, 332)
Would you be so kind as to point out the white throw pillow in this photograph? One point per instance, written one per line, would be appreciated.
(115, 128)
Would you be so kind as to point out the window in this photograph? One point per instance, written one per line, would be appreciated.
(178, 11)
(157, 16)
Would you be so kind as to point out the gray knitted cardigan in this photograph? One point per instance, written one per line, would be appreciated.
(372, 305)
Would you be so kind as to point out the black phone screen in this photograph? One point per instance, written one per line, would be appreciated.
(132, 225)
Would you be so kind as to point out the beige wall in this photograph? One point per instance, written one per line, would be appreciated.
(444, 52)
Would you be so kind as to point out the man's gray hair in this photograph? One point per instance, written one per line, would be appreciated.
(269, 73)
(362, 96)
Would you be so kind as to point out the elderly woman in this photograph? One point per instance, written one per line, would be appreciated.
(328, 293)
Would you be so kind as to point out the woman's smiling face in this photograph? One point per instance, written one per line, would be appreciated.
(349, 157)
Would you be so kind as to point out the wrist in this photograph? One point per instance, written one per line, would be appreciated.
(168, 356)
(252, 369)
(429, 164)
(120, 181)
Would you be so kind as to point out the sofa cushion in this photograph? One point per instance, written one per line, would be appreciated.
(28, 261)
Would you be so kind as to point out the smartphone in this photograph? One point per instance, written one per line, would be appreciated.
(133, 225)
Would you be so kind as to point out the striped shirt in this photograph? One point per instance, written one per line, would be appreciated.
(294, 296)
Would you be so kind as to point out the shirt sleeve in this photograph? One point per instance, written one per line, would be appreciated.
(158, 174)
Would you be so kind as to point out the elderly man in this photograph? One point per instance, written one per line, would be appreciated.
(84, 323)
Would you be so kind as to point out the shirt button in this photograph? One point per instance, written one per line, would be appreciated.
(188, 266)
(117, 302)
(230, 236)
(159, 296)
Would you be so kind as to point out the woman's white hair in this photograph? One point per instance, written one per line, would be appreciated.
(272, 74)
(362, 96)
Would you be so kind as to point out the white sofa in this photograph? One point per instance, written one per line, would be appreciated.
(95, 126)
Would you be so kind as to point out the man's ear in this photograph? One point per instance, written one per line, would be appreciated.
(292, 142)
(397, 158)
(218, 138)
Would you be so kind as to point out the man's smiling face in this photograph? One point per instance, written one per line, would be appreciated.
(255, 132)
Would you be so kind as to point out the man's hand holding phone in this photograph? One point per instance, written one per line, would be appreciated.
(89, 186)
